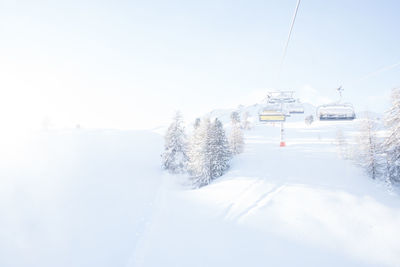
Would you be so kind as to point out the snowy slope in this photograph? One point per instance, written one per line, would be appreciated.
(294, 206)
(77, 198)
(99, 198)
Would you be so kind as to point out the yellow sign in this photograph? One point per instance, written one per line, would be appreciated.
(272, 117)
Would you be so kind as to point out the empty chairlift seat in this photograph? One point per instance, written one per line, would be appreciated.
(295, 108)
(269, 115)
(336, 112)
(280, 97)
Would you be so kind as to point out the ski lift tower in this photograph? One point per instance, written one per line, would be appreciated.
(278, 99)
(283, 98)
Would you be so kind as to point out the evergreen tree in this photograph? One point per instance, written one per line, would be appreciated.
(309, 119)
(236, 140)
(209, 152)
(246, 125)
(174, 158)
(199, 154)
(369, 152)
(220, 152)
(196, 123)
(392, 142)
(235, 117)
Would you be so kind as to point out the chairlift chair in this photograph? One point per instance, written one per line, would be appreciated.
(268, 115)
(336, 111)
(295, 108)
(280, 97)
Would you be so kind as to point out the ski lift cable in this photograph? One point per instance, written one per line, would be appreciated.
(282, 142)
(371, 74)
(367, 76)
(379, 71)
(288, 38)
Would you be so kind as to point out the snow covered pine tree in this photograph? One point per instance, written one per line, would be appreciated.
(392, 142)
(235, 117)
(199, 151)
(369, 152)
(209, 152)
(236, 141)
(220, 151)
(196, 123)
(174, 158)
(246, 125)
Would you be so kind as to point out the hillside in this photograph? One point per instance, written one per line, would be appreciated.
(99, 198)
(295, 206)
(77, 198)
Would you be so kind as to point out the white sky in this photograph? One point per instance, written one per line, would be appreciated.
(131, 64)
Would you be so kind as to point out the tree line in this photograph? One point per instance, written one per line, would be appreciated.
(206, 154)
(379, 155)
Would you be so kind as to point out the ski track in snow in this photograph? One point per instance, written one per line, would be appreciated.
(262, 201)
(241, 196)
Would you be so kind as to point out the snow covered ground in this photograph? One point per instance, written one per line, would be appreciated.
(77, 198)
(99, 198)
